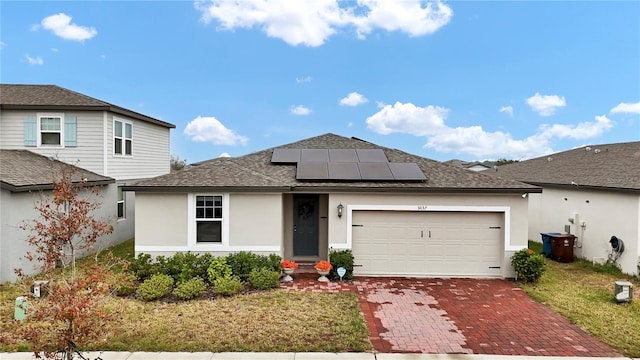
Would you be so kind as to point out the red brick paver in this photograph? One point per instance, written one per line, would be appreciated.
(459, 316)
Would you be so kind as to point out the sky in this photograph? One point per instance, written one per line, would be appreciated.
(470, 80)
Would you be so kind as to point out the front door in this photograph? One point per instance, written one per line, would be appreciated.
(305, 225)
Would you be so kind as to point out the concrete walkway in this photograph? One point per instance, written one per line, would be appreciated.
(297, 356)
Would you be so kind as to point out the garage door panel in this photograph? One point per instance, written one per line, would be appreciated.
(426, 243)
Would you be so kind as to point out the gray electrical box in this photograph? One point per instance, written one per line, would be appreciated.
(623, 291)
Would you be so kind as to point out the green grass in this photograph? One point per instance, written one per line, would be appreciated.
(584, 294)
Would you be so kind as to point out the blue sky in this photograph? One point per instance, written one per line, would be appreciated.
(471, 80)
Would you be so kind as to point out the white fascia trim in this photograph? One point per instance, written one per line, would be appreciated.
(506, 210)
(205, 248)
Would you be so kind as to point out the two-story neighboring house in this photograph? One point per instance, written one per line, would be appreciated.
(59, 124)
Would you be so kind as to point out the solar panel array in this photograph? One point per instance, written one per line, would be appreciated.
(346, 164)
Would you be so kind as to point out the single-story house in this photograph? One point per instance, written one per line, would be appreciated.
(592, 191)
(399, 213)
(25, 179)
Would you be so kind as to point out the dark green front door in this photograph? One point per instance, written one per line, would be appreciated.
(305, 225)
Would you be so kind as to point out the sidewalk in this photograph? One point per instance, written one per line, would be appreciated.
(297, 356)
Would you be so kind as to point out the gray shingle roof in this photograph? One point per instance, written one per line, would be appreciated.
(52, 97)
(255, 172)
(607, 166)
(23, 170)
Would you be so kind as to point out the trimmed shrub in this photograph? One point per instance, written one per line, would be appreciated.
(529, 266)
(143, 267)
(243, 262)
(155, 287)
(184, 266)
(264, 278)
(341, 258)
(190, 289)
(218, 268)
(126, 286)
(227, 286)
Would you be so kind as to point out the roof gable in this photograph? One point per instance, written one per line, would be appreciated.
(52, 97)
(607, 166)
(256, 172)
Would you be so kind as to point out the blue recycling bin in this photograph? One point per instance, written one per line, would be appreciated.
(546, 242)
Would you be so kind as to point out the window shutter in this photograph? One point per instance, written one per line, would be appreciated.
(70, 131)
(30, 130)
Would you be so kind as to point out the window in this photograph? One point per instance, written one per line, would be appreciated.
(208, 218)
(50, 131)
(121, 203)
(122, 138)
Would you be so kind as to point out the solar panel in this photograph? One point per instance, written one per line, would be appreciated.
(375, 171)
(344, 171)
(371, 156)
(285, 156)
(406, 171)
(314, 155)
(312, 171)
(343, 155)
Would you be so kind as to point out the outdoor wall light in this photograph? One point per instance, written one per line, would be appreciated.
(340, 208)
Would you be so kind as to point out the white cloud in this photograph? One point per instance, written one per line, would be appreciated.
(60, 24)
(353, 99)
(55, 50)
(223, 155)
(546, 105)
(2, 44)
(628, 108)
(408, 118)
(300, 110)
(209, 129)
(301, 80)
(429, 122)
(583, 130)
(311, 23)
(34, 60)
(507, 109)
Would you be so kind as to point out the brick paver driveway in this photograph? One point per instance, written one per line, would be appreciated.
(467, 316)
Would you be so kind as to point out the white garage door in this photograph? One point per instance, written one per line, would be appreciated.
(457, 244)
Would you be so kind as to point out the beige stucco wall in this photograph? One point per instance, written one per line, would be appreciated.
(255, 220)
(161, 219)
(253, 223)
(606, 213)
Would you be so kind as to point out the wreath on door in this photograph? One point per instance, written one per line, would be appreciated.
(305, 210)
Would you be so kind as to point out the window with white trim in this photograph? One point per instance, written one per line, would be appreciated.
(208, 210)
(50, 130)
(122, 138)
(121, 204)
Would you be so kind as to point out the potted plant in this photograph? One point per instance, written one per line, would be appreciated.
(323, 267)
(287, 267)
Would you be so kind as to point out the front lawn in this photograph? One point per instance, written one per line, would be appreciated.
(583, 293)
(260, 321)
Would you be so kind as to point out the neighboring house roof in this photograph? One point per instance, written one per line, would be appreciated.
(607, 166)
(256, 172)
(479, 165)
(23, 170)
(52, 97)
